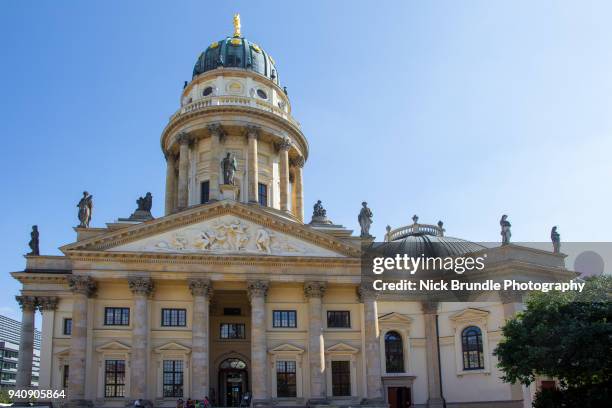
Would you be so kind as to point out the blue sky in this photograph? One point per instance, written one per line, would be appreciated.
(453, 110)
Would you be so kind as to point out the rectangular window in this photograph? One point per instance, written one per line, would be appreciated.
(341, 378)
(174, 317)
(204, 192)
(116, 316)
(339, 319)
(231, 311)
(285, 379)
(284, 318)
(67, 327)
(66, 376)
(262, 194)
(232, 331)
(114, 378)
(173, 378)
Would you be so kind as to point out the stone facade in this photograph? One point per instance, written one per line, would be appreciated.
(225, 296)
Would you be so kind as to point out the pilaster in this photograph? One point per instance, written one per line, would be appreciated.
(284, 147)
(314, 292)
(201, 289)
(257, 291)
(141, 288)
(253, 170)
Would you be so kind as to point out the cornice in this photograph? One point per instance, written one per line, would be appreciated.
(202, 213)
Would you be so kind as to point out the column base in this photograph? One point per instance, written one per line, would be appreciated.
(374, 402)
(435, 403)
(317, 402)
(78, 403)
(143, 403)
(261, 403)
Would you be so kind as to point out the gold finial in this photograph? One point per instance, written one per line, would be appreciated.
(237, 25)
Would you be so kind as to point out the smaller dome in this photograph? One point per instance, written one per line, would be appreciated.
(427, 240)
(236, 52)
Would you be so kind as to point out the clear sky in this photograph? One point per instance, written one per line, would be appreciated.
(453, 110)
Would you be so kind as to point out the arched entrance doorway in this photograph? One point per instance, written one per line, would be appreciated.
(233, 382)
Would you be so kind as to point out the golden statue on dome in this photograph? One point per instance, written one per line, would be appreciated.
(237, 25)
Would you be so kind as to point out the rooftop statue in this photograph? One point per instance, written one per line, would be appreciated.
(365, 220)
(505, 229)
(237, 25)
(145, 203)
(555, 237)
(33, 244)
(229, 169)
(318, 210)
(85, 210)
(143, 211)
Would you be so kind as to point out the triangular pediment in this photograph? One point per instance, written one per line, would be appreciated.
(470, 315)
(286, 348)
(394, 319)
(113, 346)
(172, 346)
(342, 348)
(224, 228)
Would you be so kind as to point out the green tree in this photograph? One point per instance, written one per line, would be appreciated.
(567, 336)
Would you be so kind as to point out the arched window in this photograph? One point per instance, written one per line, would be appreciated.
(394, 352)
(471, 344)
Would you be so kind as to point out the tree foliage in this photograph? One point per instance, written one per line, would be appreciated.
(566, 336)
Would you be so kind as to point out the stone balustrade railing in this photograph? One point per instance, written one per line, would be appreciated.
(236, 101)
(414, 229)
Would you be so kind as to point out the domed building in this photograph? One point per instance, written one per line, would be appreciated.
(233, 295)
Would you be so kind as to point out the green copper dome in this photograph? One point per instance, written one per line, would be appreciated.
(236, 52)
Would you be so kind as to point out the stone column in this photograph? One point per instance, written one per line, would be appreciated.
(82, 288)
(216, 134)
(372, 345)
(47, 306)
(314, 292)
(432, 354)
(283, 167)
(298, 164)
(201, 289)
(141, 289)
(257, 291)
(170, 183)
(184, 140)
(26, 343)
(253, 171)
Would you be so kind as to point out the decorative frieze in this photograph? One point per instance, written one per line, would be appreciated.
(257, 288)
(83, 285)
(314, 289)
(200, 287)
(141, 286)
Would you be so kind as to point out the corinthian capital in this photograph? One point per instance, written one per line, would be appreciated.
(141, 286)
(83, 285)
(366, 294)
(315, 289)
(184, 138)
(200, 287)
(252, 131)
(47, 303)
(284, 144)
(297, 161)
(27, 302)
(216, 129)
(257, 288)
